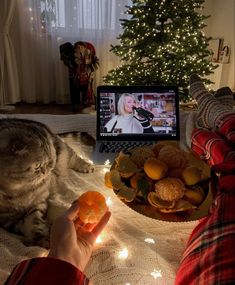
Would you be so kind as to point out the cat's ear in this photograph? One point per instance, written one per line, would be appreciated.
(18, 147)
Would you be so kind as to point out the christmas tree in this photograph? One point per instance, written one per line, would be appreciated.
(162, 43)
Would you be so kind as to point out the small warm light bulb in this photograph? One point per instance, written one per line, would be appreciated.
(100, 238)
(149, 240)
(156, 273)
(107, 162)
(109, 202)
(123, 254)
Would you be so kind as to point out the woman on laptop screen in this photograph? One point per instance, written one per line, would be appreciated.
(131, 118)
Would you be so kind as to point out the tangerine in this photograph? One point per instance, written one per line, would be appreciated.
(173, 156)
(140, 154)
(155, 168)
(191, 175)
(157, 202)
(92, 207)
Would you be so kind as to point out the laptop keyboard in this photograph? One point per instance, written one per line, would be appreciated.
(117, 146)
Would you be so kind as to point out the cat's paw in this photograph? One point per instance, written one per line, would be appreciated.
(86, 167)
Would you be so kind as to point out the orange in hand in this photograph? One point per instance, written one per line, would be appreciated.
(92, 207)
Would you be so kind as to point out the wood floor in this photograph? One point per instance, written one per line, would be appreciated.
(38, 108)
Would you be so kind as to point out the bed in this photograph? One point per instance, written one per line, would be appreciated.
(133, 249)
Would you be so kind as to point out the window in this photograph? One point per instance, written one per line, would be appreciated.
(83, 14)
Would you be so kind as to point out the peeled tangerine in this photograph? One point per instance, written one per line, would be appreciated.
(168, 195)
(170, 189)
(157, 202)
(92, 207)
(140, 154)
(173, 157)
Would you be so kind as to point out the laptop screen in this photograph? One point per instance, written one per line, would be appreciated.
(137, 113)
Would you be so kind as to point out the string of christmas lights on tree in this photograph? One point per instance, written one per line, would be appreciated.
(162, 43)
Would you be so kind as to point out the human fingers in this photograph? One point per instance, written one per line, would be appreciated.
(89, 227)
(72, 212)
(86, 227)
(98, 228)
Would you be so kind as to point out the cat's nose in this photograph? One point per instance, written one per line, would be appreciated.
(43, 169)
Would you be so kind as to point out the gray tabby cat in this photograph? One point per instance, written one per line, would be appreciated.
(31, 156)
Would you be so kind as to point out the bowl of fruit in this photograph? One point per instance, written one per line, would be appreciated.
(162, 182)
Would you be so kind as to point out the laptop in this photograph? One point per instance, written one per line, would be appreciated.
(154, 117)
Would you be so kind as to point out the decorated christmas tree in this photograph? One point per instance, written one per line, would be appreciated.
(162, 43)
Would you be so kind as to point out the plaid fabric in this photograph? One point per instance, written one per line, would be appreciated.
(226, 126)
(211, 147)
(46, 271)
(209, 257)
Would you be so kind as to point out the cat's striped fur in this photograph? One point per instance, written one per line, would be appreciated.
(31, 157)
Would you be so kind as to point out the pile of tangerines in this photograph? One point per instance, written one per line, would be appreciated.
(160, 175)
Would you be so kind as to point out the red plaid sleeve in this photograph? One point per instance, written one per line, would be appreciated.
(209, 257)
(46, 271)
(211, 147)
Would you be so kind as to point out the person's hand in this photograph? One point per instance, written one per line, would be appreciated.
(72, 242)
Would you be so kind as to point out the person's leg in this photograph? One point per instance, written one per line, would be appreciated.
(209, 109)
(211, 113)
(209, 257)
(225, 96)
(211, 147)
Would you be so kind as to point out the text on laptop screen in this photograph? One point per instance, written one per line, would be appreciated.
(135, 112)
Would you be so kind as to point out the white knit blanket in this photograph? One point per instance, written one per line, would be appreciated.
(133, 249)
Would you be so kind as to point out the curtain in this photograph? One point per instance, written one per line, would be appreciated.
(9, 82)
(42, 26)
